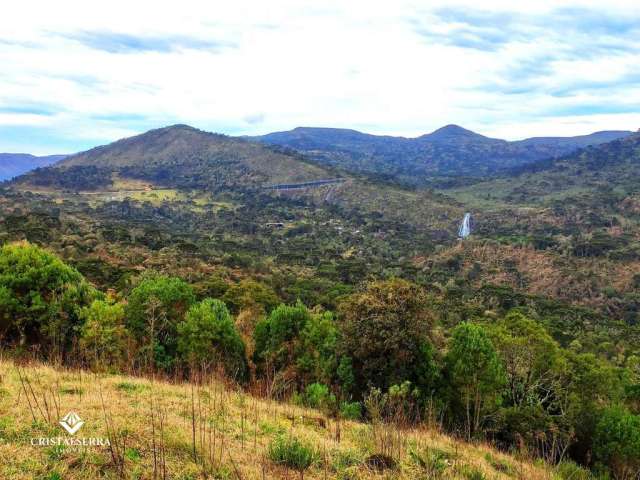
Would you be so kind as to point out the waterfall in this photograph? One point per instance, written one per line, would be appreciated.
(465, 227)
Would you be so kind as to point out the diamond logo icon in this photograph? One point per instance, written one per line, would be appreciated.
(71, 422)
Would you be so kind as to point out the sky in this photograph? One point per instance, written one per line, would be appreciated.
(75, 74)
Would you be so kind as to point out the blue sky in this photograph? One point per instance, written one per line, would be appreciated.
(76, 74)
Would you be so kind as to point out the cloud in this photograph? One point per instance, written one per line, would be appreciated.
(569, 53)
(245, 67)
(113, 42)
(255, 118)
(30, 109)
(467, 28)
(588, 109)
(576, 31)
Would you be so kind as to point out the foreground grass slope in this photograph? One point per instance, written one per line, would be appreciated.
(178, 430)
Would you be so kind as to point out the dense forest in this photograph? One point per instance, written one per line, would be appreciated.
(167, 254)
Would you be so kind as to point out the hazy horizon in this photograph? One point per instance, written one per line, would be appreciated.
(300, 126)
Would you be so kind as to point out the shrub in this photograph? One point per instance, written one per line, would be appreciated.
(433, 461)
(292, 453)
(351, 410)
(275, 334)
(317, 395)
(316, 356)
(568, 470)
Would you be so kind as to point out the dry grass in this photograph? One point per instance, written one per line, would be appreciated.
(185, 431)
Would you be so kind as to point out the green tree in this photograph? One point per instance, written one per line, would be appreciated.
(249, 293)
(536, 386)
(475, 372)
(534, 365)
(593, 384)
(385, 331)
(103, 335)
(632, 382)
(617, 442)
(213, 287)
(298, 343)
(154, 309)
(208, 336)
(316, 360)
(40, 297)
(276, 337)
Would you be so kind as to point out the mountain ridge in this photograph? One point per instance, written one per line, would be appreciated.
(178, 156)
(446, 153)
(449, 155)
(16, 164)
(593, 171)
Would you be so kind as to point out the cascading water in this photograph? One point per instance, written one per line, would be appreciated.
(465, 227)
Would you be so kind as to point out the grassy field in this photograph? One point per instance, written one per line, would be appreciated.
(181, 431)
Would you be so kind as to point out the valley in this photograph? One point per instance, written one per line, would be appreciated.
(337, 240)
(297, 261)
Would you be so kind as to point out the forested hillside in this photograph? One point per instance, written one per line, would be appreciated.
(180, 253)
(448, 156)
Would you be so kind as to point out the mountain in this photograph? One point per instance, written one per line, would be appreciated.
(608, 167)
(183, 159)
(579, 141)
(14, 164)
(443, 157)
(189, 147)
(452, 133)
(178, 156)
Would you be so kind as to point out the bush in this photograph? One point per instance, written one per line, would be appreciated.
(351, 410)
(292, 453)
(568, 470)
(317, 395)
(432, 461)
(316, 357)
(208, 335)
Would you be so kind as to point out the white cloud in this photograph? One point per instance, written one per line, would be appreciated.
(101, 70)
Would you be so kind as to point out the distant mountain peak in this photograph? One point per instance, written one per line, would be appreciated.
(451, 131)
(179, 126)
